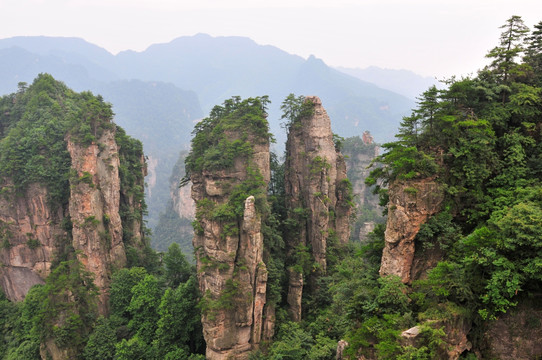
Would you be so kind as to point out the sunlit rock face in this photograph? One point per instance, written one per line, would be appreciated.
(229, 255)
(317, 193)
(36, 233)
(411, 203)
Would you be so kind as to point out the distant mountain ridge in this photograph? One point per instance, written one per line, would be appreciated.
(158, 94)
(403, 82)
(215, 68)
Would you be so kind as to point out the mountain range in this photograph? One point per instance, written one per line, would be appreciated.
(160, 93)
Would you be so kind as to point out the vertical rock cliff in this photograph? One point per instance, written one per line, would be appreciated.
(94, 209)
(318, 197)
(229, 170)
(29, 229)
(175, 222)
(71, 202)
(411, 203)
(359, 153)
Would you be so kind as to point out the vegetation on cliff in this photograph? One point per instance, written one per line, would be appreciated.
(481, 138)
(60, 318)
(33, 125)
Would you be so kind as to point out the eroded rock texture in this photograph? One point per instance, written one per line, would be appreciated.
(317, 192)
(33, 233)
(29, 229)
(516, 335)
(360, 153)
(231, 272)
(411, 203)
(94, 210)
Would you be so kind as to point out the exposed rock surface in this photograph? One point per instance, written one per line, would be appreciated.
(231, 272)
(516, 334)
(317, 192)
(183, 204)
(341, 345)
(455, 340)
(359, 153)
(411, 204)
(94, 210)
(33, 233)
(24, 220)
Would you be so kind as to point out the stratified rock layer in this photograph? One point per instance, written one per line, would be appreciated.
(231, 272)
(411, 203)
(94, 210)
(516, 335)
(23, 220)
(317, 193)
(33, 233)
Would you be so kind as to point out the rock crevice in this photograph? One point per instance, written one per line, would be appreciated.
(229, 252)
(318, 197)
(411, 203)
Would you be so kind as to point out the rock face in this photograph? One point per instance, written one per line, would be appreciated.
(318, 195)
(94, 210)
(29, 229)
(33, 233)
(231, 272)
(516, 334)
(359, 153)
(183, 204)
(411, 204)
(454, 341)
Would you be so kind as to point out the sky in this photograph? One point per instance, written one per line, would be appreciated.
(437, 38)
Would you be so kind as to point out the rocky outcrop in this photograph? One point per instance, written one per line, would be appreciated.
(229, 252)
(318, 196)
(411, 203)
(94, 210)
(183, 204)
(360, 153)
(516, 334)
(29, 229)
(454, 339)
(33, 233)
(341, 346)
(64, 197)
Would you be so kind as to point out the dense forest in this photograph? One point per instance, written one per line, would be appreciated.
(479, 255)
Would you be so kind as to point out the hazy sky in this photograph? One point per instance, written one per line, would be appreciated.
(430, 37)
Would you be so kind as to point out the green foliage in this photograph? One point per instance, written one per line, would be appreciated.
(121, 290)
(33, 243)
(480, 140)
(438, 230)
(101, 343)
(177, 269)
(135, 348)
(510, 47)
(132, 205)
(294, 109)
(71, 295)
(32, 148)
(295, 343)
(178, 325)
(213, 147)
(143, 307)
(151, 321)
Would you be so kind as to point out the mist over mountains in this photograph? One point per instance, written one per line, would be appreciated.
(160, 93)
(403, 82)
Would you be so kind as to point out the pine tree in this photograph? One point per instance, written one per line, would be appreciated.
(533, 53)
(510, 48)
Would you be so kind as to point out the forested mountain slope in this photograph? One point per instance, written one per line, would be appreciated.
(71, 207)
